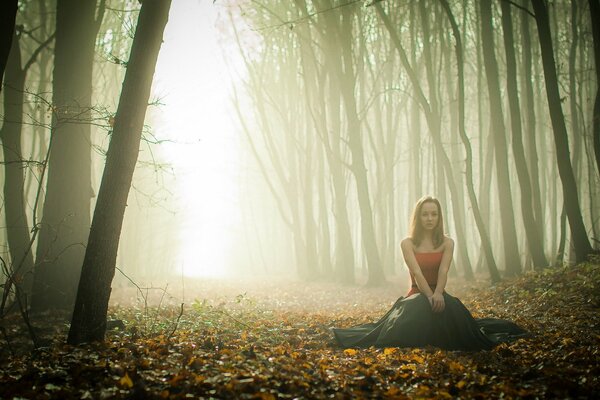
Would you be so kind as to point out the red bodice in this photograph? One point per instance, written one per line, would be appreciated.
(430, 265)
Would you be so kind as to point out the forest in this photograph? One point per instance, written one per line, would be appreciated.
(196, 195)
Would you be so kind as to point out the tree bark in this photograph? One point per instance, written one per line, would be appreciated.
(571, 199)
(17, 229)
(347, 81)
(486, 244)
(444, 165)
(595, 10)
(573, 93)
(89, 316)
(511, 249)
(532, 226)
(66, 212)
(8, 13)
(432, 119)
(530, 122)
(345, 263)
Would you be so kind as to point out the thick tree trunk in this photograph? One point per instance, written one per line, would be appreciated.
(17, 229)
(511, 250)
(532, 226)
(8, 14)
(561, 141)
(66, 213)
(89, 316)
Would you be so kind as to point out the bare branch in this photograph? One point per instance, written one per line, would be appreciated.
(291, 23)
(520, 7)
(37, 51)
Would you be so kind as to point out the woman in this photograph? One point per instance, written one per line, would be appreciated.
(428, 316)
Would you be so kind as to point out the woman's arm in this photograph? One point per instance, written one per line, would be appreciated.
(444, 266)
(411, 261)
(437, 299)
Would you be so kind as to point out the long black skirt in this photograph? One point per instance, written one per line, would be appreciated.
(411, 323)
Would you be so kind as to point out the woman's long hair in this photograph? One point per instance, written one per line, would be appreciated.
(416, 228)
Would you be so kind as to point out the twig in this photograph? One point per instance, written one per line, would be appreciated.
(234, 319)
(176, 322)
(520, 7)
(300, 19)
(133, 283)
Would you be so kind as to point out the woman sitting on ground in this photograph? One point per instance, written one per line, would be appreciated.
(427, 315)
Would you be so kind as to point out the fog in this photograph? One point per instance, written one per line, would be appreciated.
(290, 141)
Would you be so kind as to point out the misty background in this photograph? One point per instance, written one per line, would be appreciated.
(291, 138)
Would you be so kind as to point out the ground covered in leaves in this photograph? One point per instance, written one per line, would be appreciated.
(272, 340)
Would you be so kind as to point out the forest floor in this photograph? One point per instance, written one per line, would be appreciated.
(260, 340)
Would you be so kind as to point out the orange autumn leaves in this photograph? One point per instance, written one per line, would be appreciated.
(251, 349)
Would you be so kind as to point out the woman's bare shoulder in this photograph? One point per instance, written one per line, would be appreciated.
(448, 243)
(407, 242)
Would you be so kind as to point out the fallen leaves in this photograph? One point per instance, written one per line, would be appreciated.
(257, 348)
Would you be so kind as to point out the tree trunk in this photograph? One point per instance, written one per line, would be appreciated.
(66, 213)
(327, 119)
(444, 165)
(561, 141)
(532, 226)
(560, 253)
(89, 316)
(530, 123)
(433, 124)
(485, 239)
(324, 252)
(573, 93)
(511, 250)
(8, 13)
(595, 10)
(17, 229)
(359, 170)
(344, 250)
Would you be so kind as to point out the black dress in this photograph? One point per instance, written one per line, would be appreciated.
(411, 322)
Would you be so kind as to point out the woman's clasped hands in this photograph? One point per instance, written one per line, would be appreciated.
(437, 302)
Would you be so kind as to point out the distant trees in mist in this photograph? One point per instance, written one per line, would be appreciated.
(359, 109)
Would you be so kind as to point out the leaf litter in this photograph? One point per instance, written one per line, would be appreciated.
(273, 341)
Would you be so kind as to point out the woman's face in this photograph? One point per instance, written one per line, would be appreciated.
(429, 216)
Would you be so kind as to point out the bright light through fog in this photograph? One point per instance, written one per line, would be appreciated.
(192, 84)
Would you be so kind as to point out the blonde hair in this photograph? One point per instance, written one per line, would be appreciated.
(416, 228)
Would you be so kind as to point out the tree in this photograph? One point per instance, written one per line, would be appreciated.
(8, 12)
(532, 226)
(93, 294)
(530, 121)
(66, 212)
(569, 186)
(346, 71)
(433, 119)
(17, 230)
(595, 11)
(483, 233)
(511, 250)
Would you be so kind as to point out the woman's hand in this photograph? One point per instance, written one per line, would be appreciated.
(437, 302)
